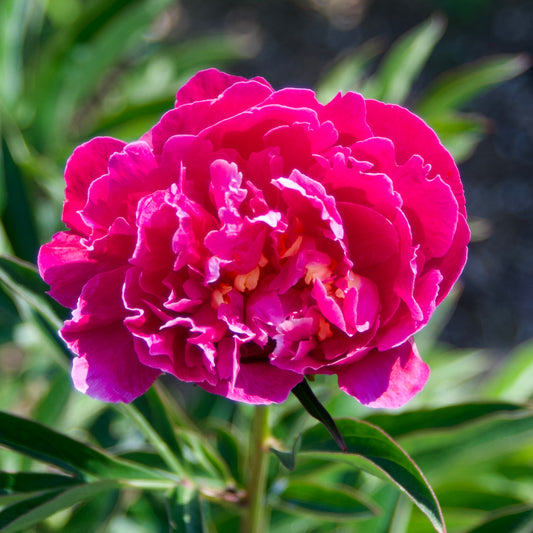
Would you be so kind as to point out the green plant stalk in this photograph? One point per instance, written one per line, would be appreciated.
(256, 518)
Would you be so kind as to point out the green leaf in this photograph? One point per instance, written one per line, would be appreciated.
(459, 495)
(228, 447)
(44, 444)
(459, 132)
(443, 417)
(312, 405)
(15, 274)
(31, 511)
(17, 214)
(514, 520)
(83, 61)
(9, 316)
(334, 502)
(23, 273)
(471, 445)
(286, 457)
(406, 59)
(348, 73)
(191, 453)
(14, 20)
(458, 87)
(53, 404)
(513, 379)
(185, 511)
(370, 449)
(34, 481)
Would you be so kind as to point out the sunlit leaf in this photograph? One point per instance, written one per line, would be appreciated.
(348, 73)
(472, 444)
(370, 449)
(447, 417)
(459, 132)
(406, 59)
(458, 87)
(513, 379)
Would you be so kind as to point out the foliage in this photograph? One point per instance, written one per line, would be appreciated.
(177, 458)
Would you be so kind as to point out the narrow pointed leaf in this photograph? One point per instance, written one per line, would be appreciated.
(468, 496)
(23, 273)
(44, 444)
(185, 511)
(458, 87)
(24, 514)
(369, 448)
(514, 520)
(313, 406)
(17, 214)
(347, 74)
(334, 502)
(157, 411)
(470, 445)
(38, 301)
(441, 418)
(459, 132)
(34, 481)
(406, 59)
(514, 379)
(286, 458)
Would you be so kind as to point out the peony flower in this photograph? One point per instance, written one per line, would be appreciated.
(254, 237)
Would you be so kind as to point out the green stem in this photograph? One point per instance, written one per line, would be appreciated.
(255, 519)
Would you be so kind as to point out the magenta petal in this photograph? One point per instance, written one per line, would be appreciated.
(87, 163)
(411, 135)
(348, 114)
(104, 346)
(452, 264)
(208, 84)
(259, 383)
(371, 237)
(116, 194)
(430, 207)
(66, 265)
(385, 379)
(100, 369)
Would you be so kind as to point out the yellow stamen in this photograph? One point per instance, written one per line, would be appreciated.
(324, 329)
(218, 296)
(317, 270)
(292, 249)
(247, 281)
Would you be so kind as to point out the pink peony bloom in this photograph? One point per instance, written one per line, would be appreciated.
(253, 237)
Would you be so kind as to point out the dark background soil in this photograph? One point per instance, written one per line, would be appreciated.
(297, 40)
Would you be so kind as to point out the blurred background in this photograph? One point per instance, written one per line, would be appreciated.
(72, 69)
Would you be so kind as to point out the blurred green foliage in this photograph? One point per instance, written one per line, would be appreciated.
(72, 69)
